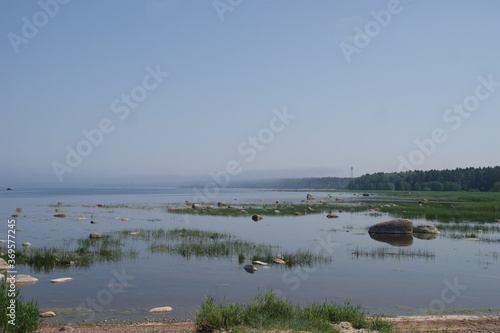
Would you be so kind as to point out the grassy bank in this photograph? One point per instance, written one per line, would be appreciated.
(271, 312)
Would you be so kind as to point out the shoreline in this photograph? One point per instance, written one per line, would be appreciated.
(448, 323)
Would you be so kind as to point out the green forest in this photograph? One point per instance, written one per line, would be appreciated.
(468, 179)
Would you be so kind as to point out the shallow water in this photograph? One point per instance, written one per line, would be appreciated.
(462, 274)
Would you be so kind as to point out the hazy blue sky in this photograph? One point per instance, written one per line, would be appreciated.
(258, 85)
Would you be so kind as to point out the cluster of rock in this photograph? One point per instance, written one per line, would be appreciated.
(402, 226)
(252, 268)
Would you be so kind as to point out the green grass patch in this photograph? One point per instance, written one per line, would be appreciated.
(201, 243)
(26, 312)
(383, 252)
(270, 312)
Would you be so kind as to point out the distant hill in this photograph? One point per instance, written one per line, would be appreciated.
(468, 179)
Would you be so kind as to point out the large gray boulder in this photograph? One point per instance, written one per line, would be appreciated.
(425, 229)
(399, 226)
(310, 196)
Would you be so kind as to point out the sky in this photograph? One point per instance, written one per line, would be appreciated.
(110, 91)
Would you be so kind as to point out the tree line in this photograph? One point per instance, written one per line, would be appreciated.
(468, 179)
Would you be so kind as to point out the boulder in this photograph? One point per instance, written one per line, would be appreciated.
(250, 268)
(310, 196)
(22, 280)
(95, 235)
(48, 314)
(3, 265)
(257, 217)
(398, 226)
(497, 220)
(60, 215)
(61, 280)
(332, 216)
(393, 239)
(161, 310)
(425, 229)
(26, 244)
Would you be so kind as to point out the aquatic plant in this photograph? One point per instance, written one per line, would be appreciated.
(382, 252)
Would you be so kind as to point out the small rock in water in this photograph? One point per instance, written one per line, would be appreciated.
(93, 222)
(135, 233)
(60, 215)
(58, 210)
(231, 207)
(196, 206)
(100, 205)
(310, 196)
(297, 214)
(161, 310)
(257, 218)
(279, 261)
(18, 210)
(221, 204)
(124, 219)
(15, 215)
(256, 262)
(332, 216)
(116, 217)
(61, 280)
(48, 314)
(250, 268)
(425, 229)
(26, 244)
(277, 211)
(82, 218)
(497, 220)
(66, 329)
(95, 235)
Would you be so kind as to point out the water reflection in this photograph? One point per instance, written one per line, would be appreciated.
(425, 236)
(393, 239)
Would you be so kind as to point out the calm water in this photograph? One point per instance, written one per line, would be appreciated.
(464, 274)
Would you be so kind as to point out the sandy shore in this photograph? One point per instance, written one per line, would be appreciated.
(457, 324)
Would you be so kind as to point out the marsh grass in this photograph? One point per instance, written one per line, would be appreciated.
(200, 243)
(251, 209)
(383, 252)
(84, 254)
(26, 313)
(271, 312)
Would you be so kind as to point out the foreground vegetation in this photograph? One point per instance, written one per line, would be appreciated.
(271, 312)
(26, 313)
